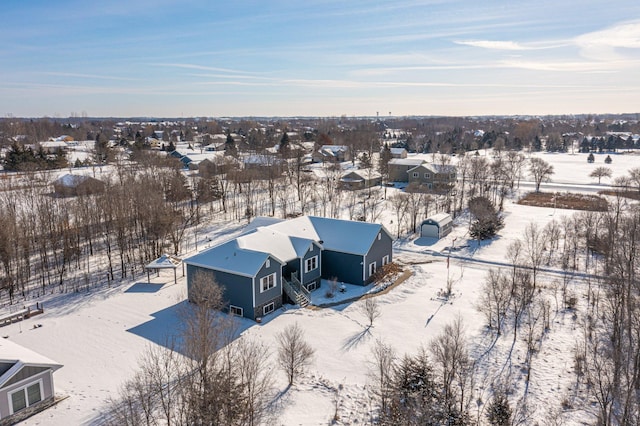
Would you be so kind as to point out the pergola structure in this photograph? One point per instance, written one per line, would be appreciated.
(166, 261)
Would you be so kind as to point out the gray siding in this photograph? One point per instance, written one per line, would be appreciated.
(47, 390)
(274, 293)
(380, 248)
(316, 273)
(237, 288)
(345, 267)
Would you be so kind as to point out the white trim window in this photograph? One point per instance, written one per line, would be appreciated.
(268, 308)
(427, 175)
(25, 396)
(372, 268)
(267, 282)
(385, 260)
(416, 174)
(311, 264)
(236, 310)
(267, 264)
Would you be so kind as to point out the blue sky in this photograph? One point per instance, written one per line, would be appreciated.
(188, 58)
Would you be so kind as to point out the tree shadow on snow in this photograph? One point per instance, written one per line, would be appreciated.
(357, 339)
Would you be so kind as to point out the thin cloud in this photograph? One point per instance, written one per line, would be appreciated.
(90, 76)
(496, 45)
(625, 35)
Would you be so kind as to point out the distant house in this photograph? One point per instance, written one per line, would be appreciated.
(333, 153)
(215, 166)
(26, 382)
(284, 260)
(361, 179)
(51, 147)
(259, 166)
(435, 177)
(436, 226)
(398, 153)
(73, 185)
(398, 168)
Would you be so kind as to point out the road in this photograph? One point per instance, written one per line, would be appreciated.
(471, 259)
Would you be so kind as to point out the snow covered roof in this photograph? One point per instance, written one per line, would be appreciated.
(285, 241)
(440, 218)
(397, 151)
(406, 161)
(230, 257)
(279, 244)
(165, 261)
(346, 236)
(12, 353)
(435, 168)
(71, 181)
(360, 175)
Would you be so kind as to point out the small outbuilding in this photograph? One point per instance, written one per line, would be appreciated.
(166, 261)
(437, 226)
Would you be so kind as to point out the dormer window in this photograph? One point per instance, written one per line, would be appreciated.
(267, 264)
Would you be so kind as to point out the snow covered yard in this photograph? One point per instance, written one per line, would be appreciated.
(99, 336)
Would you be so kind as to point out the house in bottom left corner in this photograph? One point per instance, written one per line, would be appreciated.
(26, 382)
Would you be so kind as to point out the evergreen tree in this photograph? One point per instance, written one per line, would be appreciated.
(487, 221)
(499, 411)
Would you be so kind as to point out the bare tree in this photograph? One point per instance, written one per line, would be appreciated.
(452, 361)
(600, 172)
(371, 310)
(381, 371)
(399, 203)
(535, 241)
(495, 299)
(294, 353)
(540, 170)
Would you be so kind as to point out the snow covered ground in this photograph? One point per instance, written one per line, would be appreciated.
(99, 335)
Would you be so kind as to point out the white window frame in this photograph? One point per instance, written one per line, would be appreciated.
(379, 236)
(23, 389)
(264, 280)
(307, 265)
(313, 285)
(268, 305)
(416, 174)
(427, 176)
(267, 264)
(385, 260)
(372, 268)
(239, 311)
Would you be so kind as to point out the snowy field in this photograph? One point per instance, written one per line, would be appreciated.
(99, 336)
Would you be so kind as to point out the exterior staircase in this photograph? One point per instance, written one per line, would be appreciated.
(296, 291)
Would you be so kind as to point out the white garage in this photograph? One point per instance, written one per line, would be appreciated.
(437, 226)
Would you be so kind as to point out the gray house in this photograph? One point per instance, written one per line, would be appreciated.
(361, 179)
(436, 177)
(26, 382)
(398, 168)
(284, 261)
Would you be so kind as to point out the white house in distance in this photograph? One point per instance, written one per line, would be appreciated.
(436, 226)
(26, 382)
